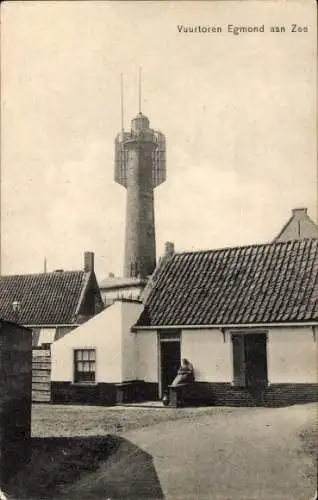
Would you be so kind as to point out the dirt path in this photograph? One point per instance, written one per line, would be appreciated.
(216, 453)
(249, 454)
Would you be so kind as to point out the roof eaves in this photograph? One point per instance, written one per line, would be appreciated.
(224, 325)
(55, 325)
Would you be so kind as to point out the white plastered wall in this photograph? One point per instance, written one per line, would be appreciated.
(292, 355)
(146, 349)
(210, 355)
(130, 313)
(103, 333)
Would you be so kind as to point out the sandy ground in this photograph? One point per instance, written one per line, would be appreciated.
(77, 420)
(198, 453)
(256, 454)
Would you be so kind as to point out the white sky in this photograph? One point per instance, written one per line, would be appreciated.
(238, 113)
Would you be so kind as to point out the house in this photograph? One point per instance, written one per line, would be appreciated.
(53, 303)
(245, 317)
(15, 397)
(90, 364)
(299, 226)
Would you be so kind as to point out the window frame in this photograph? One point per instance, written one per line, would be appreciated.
(77, 373)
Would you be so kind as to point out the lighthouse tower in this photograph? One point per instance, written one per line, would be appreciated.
(140, 166)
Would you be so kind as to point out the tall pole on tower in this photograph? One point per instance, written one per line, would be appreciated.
(122, 102)
(139, 91)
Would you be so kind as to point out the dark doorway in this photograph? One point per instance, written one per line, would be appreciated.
(250, 360)
(170, 356)
(256, 362)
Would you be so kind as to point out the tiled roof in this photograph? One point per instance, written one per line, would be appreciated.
(268, 283)
(45, 299)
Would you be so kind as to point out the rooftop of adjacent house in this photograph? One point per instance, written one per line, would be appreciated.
(42, 299)
(48, 298)
(256, 284)
(298, 226)
(113, 282)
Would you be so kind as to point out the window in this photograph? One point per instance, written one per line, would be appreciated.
(84, 365)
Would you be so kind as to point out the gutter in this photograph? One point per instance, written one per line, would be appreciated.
(222, 325)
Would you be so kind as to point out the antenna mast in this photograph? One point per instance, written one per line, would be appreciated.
(139, 93)
(122, 103)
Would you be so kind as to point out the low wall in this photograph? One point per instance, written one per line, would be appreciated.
(103, 394)
(198, 393)
(136, 391)
(94, 394)
(225, 394)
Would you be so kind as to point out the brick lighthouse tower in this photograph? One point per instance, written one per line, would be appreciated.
(140, 166)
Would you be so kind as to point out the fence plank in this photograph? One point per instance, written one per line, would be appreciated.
(41, 375)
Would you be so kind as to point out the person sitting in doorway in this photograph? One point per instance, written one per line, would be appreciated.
(185, 373)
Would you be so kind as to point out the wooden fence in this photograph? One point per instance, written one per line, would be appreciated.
(41, 375)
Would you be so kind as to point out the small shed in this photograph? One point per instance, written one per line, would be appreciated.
(15, 397)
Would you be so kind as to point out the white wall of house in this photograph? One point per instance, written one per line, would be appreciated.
(103, 333)
(210, 355)
(128, 292)
(291, 355)
(46, 336)
(109, 333)
(122, 355)
(130, 312)
(147, 355)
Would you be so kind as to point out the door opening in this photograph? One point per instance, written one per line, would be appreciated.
(256, 362)
(170, 358)
(250, 360)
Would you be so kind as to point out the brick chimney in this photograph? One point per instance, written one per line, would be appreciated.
(169, 249)
(89, 262)
(168, 254)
